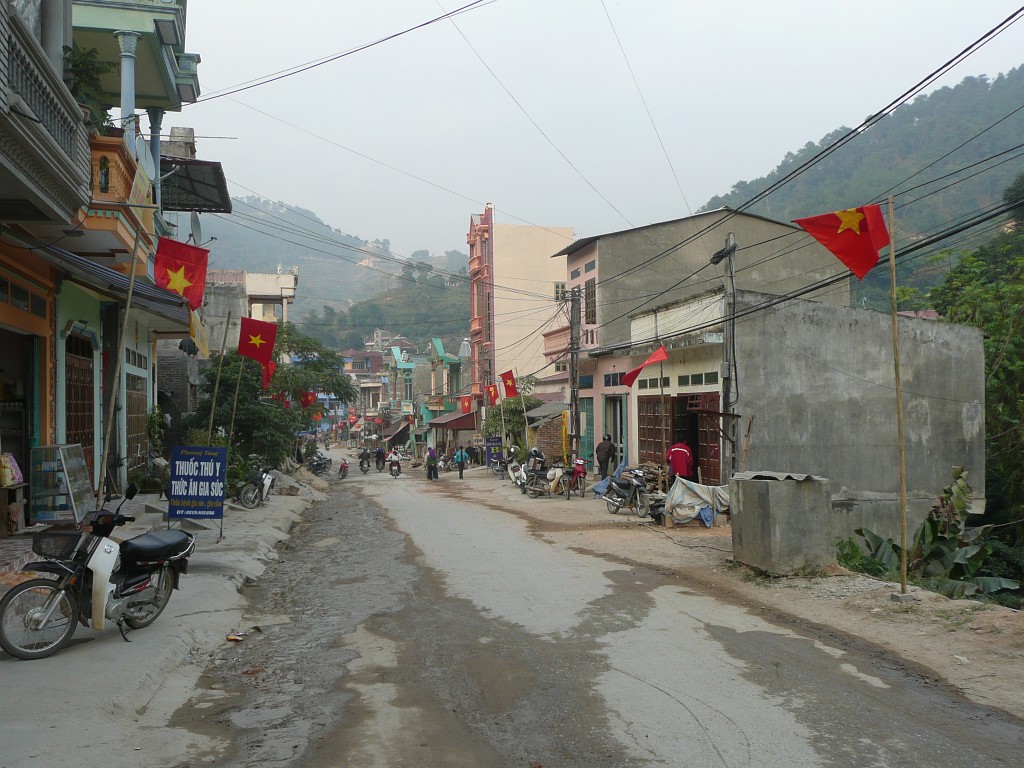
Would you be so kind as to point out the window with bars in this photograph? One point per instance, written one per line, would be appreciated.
(590, 300)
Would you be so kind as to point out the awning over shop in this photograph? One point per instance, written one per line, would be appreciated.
(395, 432)
(166, 311)
(455, 421)
(193, 185)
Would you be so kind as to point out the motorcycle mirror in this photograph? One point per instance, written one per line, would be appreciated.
(131, 491)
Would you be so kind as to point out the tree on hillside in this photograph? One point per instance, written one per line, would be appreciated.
(986, 290)
(262, 426)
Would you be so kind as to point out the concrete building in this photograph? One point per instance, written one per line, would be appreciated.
(813, 394)
(82, 206)
(515, 292)
(622, 274)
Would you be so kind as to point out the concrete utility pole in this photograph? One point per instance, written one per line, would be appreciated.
(574, 372)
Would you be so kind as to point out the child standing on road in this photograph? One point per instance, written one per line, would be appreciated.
(431, 464)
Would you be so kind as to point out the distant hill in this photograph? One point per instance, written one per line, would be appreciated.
(336, 270)
(946, 155)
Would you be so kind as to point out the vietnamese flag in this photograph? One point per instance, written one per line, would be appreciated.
(492, 393)
(181, 269)
(509, 380)
(467, 403)
(854, 236)
(657, 356)
(256, 341)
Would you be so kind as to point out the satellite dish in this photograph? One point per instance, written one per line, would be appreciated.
(197, 229)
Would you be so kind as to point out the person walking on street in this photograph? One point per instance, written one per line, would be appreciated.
(460, 460)
(680, 461)
(431, 464)
(605, 454)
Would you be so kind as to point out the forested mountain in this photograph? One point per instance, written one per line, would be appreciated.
(944, 156)
(338, 271)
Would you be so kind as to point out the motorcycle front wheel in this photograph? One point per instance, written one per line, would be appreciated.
(146, 613)
(249, 496)
(643, 505)
(580, 486)
(24, 606)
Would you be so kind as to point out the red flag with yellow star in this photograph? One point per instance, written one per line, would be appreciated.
(181, 269)
(467, 403)
(492, 394)
(256, 339)
(855, 235)
(509, 380)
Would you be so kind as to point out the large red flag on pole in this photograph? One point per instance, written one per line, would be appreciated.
(509, 380)
(181, 268)
(855, 236)
(657, 356)
(256, 341)
(466, 402)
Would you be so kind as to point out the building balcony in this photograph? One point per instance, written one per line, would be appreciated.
(44, 168)
(557, 343)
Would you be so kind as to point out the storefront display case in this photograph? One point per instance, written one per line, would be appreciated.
(61, 489)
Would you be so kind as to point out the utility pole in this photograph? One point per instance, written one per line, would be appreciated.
(574, 372)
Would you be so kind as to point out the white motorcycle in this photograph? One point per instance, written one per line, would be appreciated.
(97, 581)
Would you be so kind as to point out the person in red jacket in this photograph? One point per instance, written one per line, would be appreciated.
(680, 461)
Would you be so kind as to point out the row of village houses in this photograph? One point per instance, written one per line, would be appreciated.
(769, 366)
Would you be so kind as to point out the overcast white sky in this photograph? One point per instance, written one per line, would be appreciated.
(532, 105)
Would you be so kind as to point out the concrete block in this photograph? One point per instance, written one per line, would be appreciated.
(782, 526)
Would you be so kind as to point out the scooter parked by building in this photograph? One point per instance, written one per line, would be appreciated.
(629, 492)
(98, 581)
(256, 489)
(343, 468)
(577, 481)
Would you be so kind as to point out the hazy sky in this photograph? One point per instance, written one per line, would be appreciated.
(591, 114)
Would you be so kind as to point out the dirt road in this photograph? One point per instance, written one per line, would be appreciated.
(461, 624)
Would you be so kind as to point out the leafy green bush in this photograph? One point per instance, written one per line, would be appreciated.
(946, 552)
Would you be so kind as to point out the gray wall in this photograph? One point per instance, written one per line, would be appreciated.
(819, 381)
(772, 256)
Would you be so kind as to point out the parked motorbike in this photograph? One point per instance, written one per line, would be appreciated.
(97, 581)
(256, 489)
(629, 492)
(343, 468)
(517, 474)
(364, 465)
(318, 463)
(546, 481)
(577, 482)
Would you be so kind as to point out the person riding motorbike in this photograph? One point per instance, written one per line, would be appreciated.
(364, 457)
(395, 460)
(380, 457)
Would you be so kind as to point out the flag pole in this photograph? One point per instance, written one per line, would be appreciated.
(526, 421)
(899, 399)
(216, 383)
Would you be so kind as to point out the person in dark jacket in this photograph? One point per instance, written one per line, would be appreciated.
(604, 453)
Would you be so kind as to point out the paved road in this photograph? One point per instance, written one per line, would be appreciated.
(401, 625)
(446, 633)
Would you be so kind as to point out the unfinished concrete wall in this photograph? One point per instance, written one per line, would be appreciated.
(818, 380)
(782, 526)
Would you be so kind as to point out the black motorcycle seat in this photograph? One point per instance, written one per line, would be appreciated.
(156, 545)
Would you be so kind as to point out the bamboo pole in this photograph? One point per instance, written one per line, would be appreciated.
(216, 383)
(899, 400)
(115, 377)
